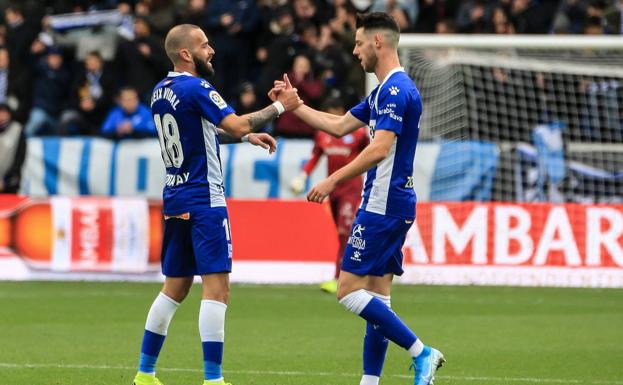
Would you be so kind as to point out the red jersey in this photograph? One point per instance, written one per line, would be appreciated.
(339, 152)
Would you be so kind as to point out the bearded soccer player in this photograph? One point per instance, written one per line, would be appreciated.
(192, 120)
(346, 197)
(373, 256)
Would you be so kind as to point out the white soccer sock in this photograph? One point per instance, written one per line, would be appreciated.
(160, 314)
(356, 301)
(212, 321)
(369, 380)
(387, 300)
(416, 349)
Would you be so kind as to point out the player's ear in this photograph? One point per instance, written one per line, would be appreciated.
(378, 40)
(185, 54)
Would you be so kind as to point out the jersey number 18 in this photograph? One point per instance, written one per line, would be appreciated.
(169, 136)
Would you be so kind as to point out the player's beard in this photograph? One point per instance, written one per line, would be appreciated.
(370, 65)
(204, 70)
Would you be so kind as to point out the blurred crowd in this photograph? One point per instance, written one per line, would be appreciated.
(87, 67)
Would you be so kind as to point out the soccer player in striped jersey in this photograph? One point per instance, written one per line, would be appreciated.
(192, 119)
(373, 255)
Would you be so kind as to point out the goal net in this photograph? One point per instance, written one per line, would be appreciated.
(520, 160)
(521, 118)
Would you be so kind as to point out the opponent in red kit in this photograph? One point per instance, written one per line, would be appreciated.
(347, 196)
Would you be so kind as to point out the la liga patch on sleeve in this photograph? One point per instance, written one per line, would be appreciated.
(218, 100)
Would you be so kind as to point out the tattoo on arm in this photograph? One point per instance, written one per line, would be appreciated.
(260, 118)
(225, 138)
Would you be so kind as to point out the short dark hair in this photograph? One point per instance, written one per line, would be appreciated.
(377, 20)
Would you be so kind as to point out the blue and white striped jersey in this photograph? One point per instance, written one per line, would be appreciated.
(394, 105)
(187, 111)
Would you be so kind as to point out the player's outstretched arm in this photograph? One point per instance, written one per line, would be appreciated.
(238, 126)
(335, 125)
(372, 155)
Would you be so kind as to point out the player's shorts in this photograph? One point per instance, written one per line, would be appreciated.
(344, 207)
(196, 244)
(375, 245)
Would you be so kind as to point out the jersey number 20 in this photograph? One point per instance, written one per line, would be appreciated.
(169, 135)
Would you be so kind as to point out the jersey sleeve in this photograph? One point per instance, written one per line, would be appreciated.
(362, 111)
(392, 105)
(211, 104)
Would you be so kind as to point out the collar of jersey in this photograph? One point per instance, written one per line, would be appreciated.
(389, 75)
(173, 74)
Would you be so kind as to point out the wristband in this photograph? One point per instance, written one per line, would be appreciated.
(245, 138)
(280, 108)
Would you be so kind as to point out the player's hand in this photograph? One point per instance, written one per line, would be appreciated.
(321, 191)
(289, 96)
(277, 88)
(297, 184)
(263, 140)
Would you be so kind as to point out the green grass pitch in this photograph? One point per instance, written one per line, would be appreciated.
(90, 333)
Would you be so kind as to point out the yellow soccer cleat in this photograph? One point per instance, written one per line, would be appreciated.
(146, 379)
(329, 286)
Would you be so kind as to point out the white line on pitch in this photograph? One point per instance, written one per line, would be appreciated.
(318, 374)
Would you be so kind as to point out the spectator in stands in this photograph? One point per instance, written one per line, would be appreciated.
(474, 16)
(50, 91)
(247, 99)
(501, 22)
(20, 34)
(613, 18)
(433, 12)
(445, 26)
(310, 90)
(12, 151)
(141, 62)
(159, 14)
(4, 74)
(280, 51)
(231, 25)
(594, 26)
(130, 118)
(82, 35)
(405, 12)
(91, 97)
(195, 13)
(307, 11)
(532, 16)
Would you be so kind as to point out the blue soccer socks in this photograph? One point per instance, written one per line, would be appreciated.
(212, 331)
(158, 320)
(377, 313)
(374, 348)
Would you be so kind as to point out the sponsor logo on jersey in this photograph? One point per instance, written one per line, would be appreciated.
(218, 100)
(356, 240)
(394, 90)
(204, 84)
(348, 139)
(176, 180)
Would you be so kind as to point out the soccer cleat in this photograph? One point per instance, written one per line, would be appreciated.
(145, 379)
(329, 286)
(426, 364)
(222, 382)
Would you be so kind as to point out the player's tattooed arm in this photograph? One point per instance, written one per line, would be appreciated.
(260, 118)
